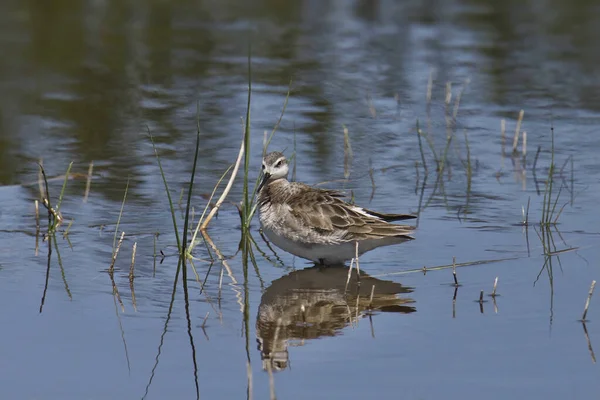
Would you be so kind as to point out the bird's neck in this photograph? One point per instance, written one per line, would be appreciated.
(271, 187)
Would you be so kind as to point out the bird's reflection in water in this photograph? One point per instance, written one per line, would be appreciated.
(314, 302)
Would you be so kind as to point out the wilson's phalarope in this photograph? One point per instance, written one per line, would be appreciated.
(317, 224)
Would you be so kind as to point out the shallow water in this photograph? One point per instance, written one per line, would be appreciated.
(84, 81)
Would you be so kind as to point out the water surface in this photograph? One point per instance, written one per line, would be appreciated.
(84, 81)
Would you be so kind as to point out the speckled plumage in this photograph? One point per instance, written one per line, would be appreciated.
(317, 224)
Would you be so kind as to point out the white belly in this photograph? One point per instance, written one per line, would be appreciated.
(329, 254)
(319, 253)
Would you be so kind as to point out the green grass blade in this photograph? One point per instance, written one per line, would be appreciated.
(62, 269)
(49, 205)
(556, 201)
(252, 206)
(64, 186)
(162, 174)
(120, 215)
(183, 254)
(285, 103)
(246, 205)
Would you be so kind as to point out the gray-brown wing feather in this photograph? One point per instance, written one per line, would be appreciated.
(327, 214)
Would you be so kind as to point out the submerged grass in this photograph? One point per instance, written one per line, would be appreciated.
(550, 215)
(546, 212)
(183, 255)
(54, 221)
(54, 216)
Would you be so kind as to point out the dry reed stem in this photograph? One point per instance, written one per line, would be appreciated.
(52, 211)
(371, 298)
(234, 282)
(448, 98)
(419, 134)
(495, 286)
(587, 302)
(111, 272)
(111, 269)
(447, 266)
(265, 142)
(249, 375)
(524, 144)
(481, 296)
(117, 295)
(272, 394)
(429, 86)
(353, 261)
(454, 302)
(348, 155)
(356, 306)
(454, 272)
(132, 276)
(88, 182)
(517, 131)
(41, 179)
(357, 264)
(447, 115)
(37, 214)
(225, 192)
(589, 342)
(220, 284)
(349, 274)
(204, 321)
(37, 242)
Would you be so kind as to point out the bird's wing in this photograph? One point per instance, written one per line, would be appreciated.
(327, 214)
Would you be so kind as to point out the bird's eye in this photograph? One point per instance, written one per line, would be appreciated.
(263, 167)
(278, 164)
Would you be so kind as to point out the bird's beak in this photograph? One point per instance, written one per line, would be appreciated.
(264, 180)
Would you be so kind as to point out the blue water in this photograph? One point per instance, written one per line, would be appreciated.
(85, 81)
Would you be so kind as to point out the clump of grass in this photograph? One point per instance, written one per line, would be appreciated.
(54, 220)
(182, 244)
(246, 203)
(54, 216)
(549, 214)
(64, 186)
(164, 179)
